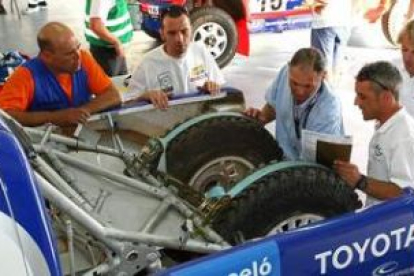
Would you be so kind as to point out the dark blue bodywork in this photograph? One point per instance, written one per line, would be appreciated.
(377, 241)
(21, 200)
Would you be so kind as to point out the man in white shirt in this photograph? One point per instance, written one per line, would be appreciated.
(178, 66)
(331, 30)
(391, 149)
(406, 40)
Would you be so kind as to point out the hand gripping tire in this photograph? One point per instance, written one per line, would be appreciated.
(220, 149)
(217, 30)
(284, 200)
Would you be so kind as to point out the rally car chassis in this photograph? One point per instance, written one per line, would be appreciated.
(115, 208)
(66, 182)
(66, 179)
(376, 241)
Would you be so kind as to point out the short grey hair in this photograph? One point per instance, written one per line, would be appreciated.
(310, 57)
(383, 76)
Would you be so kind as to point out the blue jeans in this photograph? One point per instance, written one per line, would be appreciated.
(330, 41)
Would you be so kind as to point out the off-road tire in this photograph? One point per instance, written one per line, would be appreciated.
(220, 137)
(282, 195)
(200, 17)
(393, 21)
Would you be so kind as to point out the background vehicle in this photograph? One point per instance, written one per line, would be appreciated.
(224, 25)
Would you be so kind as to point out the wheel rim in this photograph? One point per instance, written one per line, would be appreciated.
(213, 36)
(225, 171)
(295, 222)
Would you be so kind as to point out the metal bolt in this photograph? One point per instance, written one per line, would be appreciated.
(132, 256)
(152, 257)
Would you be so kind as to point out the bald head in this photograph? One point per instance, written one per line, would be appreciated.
(59, 48)
(52, 35)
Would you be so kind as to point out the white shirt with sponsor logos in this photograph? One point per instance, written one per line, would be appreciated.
(407, 92)
(159, 71)
(391, 152)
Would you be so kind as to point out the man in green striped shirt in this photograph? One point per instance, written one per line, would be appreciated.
(108, 31)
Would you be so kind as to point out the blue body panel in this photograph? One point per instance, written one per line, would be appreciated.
(280, 24)
(26, 202)
(377, 241)
(176, 97)
(291, 4)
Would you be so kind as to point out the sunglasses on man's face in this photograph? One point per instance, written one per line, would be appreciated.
(369, 77)
(380, 84)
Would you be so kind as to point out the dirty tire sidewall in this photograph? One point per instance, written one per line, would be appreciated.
(282, 195)
(219, 137)
(201, 16)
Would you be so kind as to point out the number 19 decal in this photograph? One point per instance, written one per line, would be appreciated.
(270, 5)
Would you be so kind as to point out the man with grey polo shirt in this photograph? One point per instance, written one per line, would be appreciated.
(391, 149)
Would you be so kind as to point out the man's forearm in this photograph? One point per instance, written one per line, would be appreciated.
(148, 94)
(267, 114)
(382, 190)
(109, 98)
(145, 95)
(36, 118)
(102, 32)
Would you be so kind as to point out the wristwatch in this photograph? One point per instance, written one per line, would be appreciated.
(362, 183)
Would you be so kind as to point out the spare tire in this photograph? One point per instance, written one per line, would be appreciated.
(394, 20)
(284, 200)
(217, 31)
(221, 150)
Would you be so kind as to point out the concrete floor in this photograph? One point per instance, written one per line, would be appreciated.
(252, 74)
